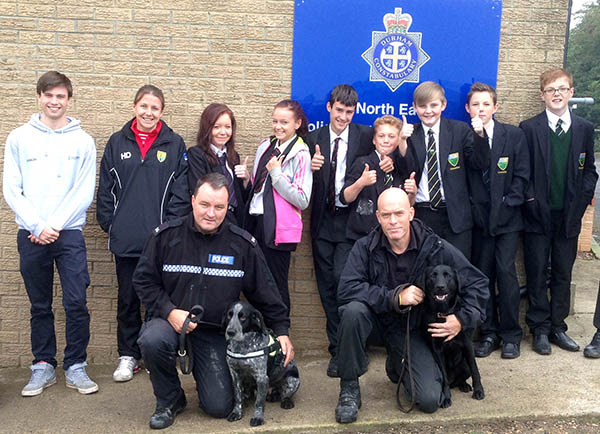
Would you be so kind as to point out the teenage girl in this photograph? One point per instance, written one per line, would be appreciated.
(280, 189)
(215, 152)
(143, 183)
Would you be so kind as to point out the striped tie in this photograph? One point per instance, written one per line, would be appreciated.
(223, 168)
(559, 131)
(435, 194)
(331, 184)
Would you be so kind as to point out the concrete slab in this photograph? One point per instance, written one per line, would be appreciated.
(531, 387)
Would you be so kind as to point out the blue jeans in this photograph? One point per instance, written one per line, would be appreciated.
(37, 268)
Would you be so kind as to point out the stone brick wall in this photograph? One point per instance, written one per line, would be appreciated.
(198, 51)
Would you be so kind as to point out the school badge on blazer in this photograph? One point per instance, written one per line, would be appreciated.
(581, 160)
(454, 160)
(395, 56)
(502, 164)
(161, 156)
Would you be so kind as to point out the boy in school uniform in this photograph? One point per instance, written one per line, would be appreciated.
(497, 195)
(441, 150)
(561, 186)
(366, 180)
(334, 148)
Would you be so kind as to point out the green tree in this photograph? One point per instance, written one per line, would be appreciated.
(583, 60)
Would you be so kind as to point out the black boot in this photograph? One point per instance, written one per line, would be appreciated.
(592, 351)
(349, 402)
(165, 416)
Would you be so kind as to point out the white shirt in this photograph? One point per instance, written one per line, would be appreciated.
(340, 169)
(423, 190)
(256, 204)
(220, 152)
(489, 130)
(553, 119)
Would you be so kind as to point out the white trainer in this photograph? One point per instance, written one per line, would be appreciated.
(127, 367)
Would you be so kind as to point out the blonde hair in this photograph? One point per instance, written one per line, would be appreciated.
(387, 120)
(428, 91)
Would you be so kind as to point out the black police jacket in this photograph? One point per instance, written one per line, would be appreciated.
(180, 267)
(136, 196)
(365, 276)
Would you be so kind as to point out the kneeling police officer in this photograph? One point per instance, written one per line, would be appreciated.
(201, 260)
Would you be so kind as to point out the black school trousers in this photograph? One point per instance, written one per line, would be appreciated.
(548, 314)
(495, 257)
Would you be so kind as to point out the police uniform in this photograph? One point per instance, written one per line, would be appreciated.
(181, 267)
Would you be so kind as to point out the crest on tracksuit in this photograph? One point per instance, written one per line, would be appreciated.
(582, 159)
(161, 156)
(395, 56)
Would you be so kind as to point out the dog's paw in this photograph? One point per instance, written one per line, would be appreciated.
(234, 415)
(273, 396)
(446, 403)
(465, 387)
(478, 394)
(256, 421)
(287, 403)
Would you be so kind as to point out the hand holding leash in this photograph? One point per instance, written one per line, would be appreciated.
(287, 348)
(411, 296)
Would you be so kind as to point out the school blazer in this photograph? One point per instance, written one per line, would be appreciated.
(362, 218)
(499, 211)
(459, 149)
(360, 142)
(581, 174)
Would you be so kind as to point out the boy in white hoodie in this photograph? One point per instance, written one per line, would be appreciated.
(49, 179)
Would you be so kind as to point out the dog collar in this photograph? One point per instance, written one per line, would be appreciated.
(270, 350)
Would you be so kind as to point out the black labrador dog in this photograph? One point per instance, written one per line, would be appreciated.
(255, 361)
(455, 357)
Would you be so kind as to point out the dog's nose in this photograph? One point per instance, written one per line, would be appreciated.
(230, 333)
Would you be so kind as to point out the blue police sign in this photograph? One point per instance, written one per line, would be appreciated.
(384, 49)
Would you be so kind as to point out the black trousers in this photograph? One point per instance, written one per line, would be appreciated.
(545, 315)
(37, 268)
(129, 319)
(438, 221)
(597, 311)
(357, 322)
(159, 343)
(278, 261)
(495, 257)
(330, 251)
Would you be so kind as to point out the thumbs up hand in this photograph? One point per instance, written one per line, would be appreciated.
(317, 160)
(407, 129)
(477, 125)
(241, 170)
(368, 177)
(386, 164)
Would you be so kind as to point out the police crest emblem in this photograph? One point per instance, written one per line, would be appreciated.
(395, 56)
(161, 156)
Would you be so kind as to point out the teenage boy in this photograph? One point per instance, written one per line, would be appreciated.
(49, 178)
(441, 151)
(497, 195)
(561, 186)
(334, 148)
(366, 180)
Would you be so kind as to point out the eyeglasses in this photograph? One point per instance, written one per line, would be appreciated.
(561, 90)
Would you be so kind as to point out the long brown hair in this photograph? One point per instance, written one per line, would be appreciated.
(207, 120)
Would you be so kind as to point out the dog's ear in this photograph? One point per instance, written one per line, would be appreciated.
(225, 319)
(422, 279)
(456, 279)
(257, 322)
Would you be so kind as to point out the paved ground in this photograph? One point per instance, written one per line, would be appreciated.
(533, 387)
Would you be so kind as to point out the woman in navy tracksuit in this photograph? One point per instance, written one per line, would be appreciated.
(143, 183)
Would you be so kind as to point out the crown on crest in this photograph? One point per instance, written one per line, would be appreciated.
(397, 22)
